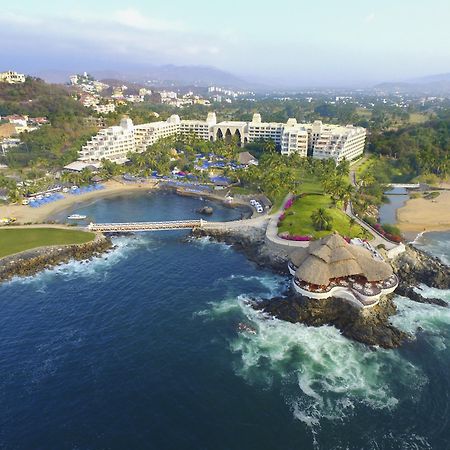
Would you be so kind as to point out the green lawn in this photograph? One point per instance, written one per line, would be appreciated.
(310, 185)
(20, 239)
(299, 223)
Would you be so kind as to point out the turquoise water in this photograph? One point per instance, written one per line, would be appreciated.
(140, 349)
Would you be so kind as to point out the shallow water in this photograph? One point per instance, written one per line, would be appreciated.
(388, 211)
(140, 349)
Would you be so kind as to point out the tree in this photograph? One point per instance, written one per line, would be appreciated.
(352, 222)
(321, 219)
(343, 168)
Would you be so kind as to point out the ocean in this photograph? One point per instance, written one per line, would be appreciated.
(140, 349)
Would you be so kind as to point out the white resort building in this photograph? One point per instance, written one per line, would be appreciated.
(113, 143)
(331, 267)
(317, 140)
(12, 77)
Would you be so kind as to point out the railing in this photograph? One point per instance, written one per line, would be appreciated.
(146, 226)
(404, 185)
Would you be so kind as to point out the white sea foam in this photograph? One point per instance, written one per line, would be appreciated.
(438, 244)
(417, 239)
(323, 374)
(97, 267)
(435, 320)
(205, 241)
(274, 284)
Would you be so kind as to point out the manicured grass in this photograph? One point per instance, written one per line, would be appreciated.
(361, 166)
(20, 239)
(310, 185)
(300, 223)
(239, 190)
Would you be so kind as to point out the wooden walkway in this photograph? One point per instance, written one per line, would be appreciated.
(146, 226)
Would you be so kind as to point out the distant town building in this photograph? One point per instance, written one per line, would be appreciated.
(317, 140)
(104, 109)
(12, 77)
(8, 143)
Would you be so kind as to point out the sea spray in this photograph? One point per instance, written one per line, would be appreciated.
(413, 317)
(321, 374)
(96, 267)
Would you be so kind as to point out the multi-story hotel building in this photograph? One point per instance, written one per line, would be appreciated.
(112, 143)
(317, 139)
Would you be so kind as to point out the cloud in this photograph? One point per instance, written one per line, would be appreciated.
(133, 18)
(127, 34)
(369, 18)
(18, 19)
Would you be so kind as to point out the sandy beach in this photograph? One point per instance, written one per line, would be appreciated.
(25, 214)
(420, 215)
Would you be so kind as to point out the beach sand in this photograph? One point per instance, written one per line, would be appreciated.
(420, 215)
(25, 214)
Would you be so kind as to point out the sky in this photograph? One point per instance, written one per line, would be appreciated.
(284, 42)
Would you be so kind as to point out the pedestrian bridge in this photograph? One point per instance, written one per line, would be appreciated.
(405, 186)
(146, 226)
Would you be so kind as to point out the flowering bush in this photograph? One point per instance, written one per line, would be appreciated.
(289, 203)
(295, 237)
(386, 234)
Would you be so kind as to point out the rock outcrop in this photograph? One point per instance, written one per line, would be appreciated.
(371, 326)
(414, 267)
(206, 210)
(33, 261)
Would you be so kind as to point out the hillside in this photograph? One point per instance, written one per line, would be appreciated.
(37, 98)
(52, 145)
(431, 84)
(417, 150)
(164, 75)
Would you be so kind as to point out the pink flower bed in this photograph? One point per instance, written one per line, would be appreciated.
(295, 238)
(387, 235)
(289, 203)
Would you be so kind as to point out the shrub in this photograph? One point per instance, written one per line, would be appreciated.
(391, 229)
(370, 220)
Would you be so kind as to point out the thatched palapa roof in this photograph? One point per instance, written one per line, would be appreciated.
(333, 257)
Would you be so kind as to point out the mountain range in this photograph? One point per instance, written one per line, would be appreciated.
(431, 84)
(166, 75)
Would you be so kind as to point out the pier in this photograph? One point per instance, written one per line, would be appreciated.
(146, 226)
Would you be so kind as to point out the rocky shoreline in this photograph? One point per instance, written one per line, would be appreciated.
(30, 262)
(370, 326)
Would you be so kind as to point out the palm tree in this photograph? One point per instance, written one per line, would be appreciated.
(343, 168)
(346, 194)
(269, 146)
(321, 219)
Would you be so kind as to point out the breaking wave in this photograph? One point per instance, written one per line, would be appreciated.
(321, 374)
(96, 267)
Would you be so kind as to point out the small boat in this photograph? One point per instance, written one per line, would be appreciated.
(77, 217)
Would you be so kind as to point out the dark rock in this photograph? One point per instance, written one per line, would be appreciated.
(408, 291)
(32, 261)
(370, 326)
(415, 267)
(206, 210)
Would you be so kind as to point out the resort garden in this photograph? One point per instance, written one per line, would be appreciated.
(312, 216)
